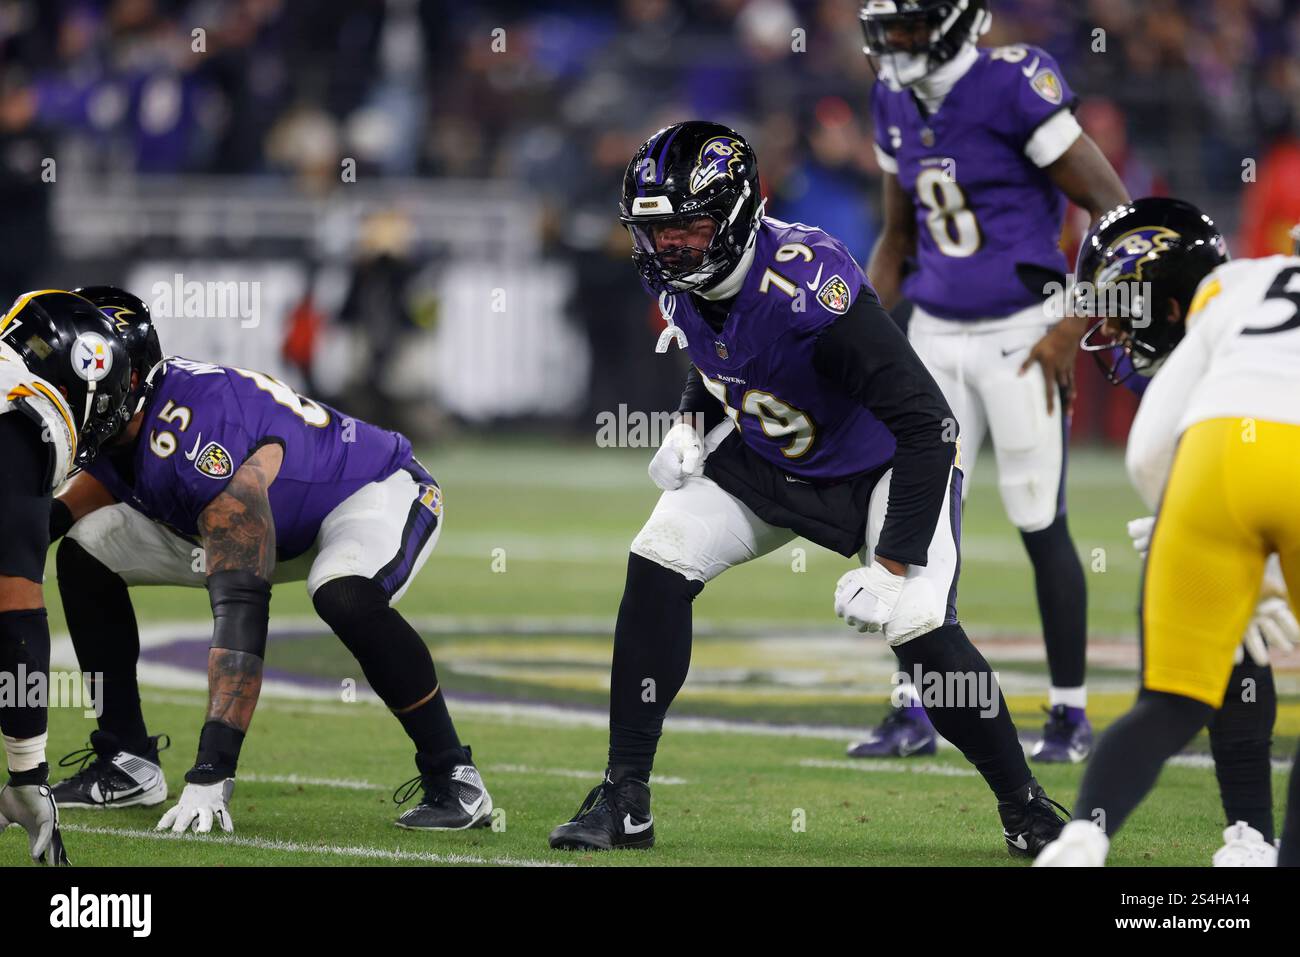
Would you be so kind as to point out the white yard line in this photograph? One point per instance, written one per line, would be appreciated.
(322, 850)
(893, 766)
(566, 773)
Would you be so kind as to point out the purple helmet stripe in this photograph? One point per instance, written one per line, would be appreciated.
(659, 160)
(650, 148)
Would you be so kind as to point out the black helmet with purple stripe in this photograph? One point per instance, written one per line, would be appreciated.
(680, 178)
(907, 40)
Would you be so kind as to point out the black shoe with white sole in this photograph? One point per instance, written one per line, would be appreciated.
(108, 776)
(1031, 824)
(454, 796)
(615, 814)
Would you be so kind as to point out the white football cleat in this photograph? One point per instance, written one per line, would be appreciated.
(1081, 844)
(1243, 846)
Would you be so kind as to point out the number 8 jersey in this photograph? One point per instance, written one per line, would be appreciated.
(202, 421)
(975, 171)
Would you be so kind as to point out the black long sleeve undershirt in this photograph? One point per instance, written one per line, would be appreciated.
(697, 400)
(864, 354)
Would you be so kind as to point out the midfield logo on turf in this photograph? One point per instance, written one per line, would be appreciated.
(948, 689)
(55, 689)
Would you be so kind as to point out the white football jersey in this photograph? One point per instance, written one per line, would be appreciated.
(1240, 358)
(23, 391)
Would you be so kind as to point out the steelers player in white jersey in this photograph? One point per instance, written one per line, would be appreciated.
(64, 392)
(1216, 443)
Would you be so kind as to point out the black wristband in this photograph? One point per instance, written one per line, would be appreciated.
(60, 519)
(218, 755)
(241, 606)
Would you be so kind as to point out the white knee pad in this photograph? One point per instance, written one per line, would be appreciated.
(1030, 499)
(679, 541)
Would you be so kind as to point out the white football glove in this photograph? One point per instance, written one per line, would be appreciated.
(866, 597)
(1273, 627)
(1140, 531)
(199, 806)
(31, 807)
(680, 456)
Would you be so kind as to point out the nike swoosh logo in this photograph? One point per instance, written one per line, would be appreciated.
(630, 828)
(904, 750)
(1031, 69)
(817, 278)
(1019, 841)
(1011, 352)
(471, 809)
(192, 453)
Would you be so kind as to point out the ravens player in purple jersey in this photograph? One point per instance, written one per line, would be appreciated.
(980, 149)
(816, 418)
(227, 479)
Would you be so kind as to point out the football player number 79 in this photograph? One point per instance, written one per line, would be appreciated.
(776, 417)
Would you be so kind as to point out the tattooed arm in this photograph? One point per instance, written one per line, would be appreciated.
(238, 534)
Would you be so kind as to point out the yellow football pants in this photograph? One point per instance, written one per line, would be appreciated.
(1232, 499)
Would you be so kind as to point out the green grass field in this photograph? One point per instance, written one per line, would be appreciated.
(518, 603)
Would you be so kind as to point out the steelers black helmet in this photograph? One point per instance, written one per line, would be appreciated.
(130, 317)
(1137, 272)
(66, 340)
(684, 172)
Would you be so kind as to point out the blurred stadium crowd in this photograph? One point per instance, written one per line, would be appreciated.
(1194, 97)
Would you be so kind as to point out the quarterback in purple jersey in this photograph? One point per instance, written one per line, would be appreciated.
(805, 412)
(227, 479)
(979, 150)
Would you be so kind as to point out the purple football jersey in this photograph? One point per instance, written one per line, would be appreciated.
(760, 365)
(203, 421)
(982, 206)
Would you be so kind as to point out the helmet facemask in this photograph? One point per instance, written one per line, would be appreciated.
(907, 46)
(688, 266)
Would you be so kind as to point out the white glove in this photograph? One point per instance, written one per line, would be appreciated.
(866, 597)
(1140, 531)
(199, 805)
(31, 807)
(681, 455)
(1273, 627)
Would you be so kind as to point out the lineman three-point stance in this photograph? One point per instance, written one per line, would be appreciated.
(65, 381)
(1216, 444)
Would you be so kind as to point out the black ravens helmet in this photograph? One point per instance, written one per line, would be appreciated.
(683, 174)
(1140, 260)
(130, 316)
(908, 39)
(66, 340)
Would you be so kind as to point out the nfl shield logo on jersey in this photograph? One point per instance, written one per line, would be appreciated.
(720, 348)
(834, 295)
(214, 461)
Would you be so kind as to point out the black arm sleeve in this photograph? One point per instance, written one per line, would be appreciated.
(864, 354)
(697, 400)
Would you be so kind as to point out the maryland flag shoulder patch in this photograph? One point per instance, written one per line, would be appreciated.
(834, 295)
(214, 461)
(1048, 85)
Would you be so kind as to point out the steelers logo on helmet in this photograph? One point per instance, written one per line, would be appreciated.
(92, 359)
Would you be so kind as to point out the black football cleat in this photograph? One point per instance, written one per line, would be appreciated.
(1030, 824)
(454, 796)
(616, 814)
(107, 776)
